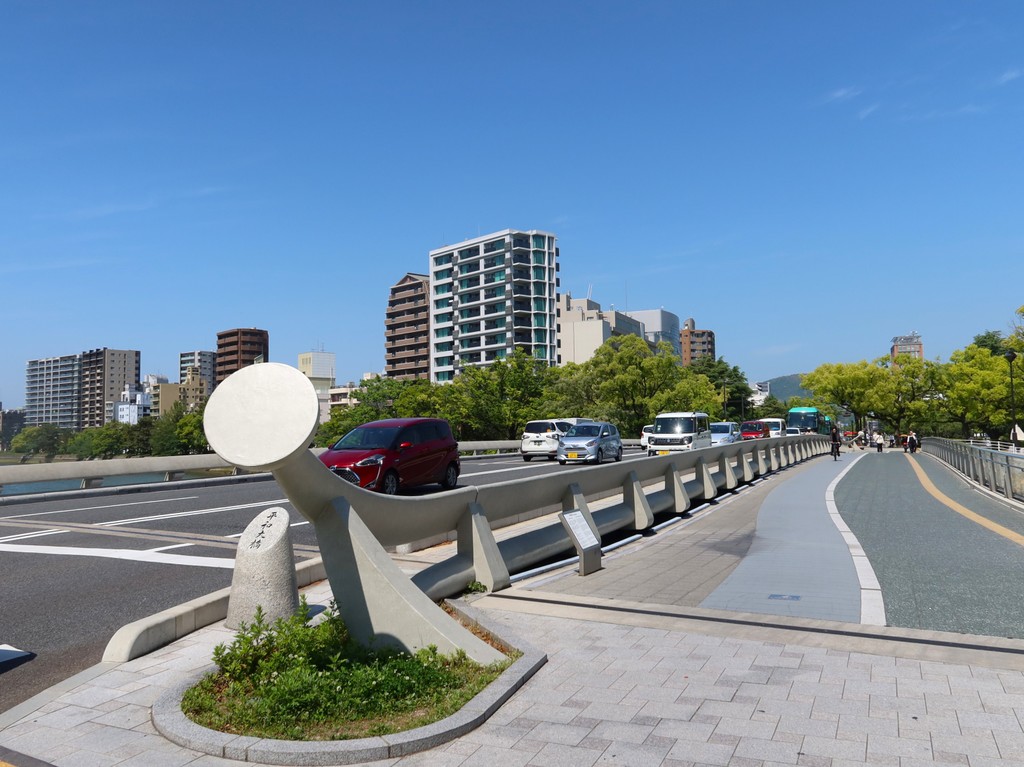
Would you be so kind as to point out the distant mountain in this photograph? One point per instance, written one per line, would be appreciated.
(784, 387)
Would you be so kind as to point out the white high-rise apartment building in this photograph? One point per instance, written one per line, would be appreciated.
(204, 361)
(490, 295)
(53, 391)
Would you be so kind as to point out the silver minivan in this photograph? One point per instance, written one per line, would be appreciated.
(540, 437)
(724, 432)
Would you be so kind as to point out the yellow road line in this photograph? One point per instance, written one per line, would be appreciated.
(963, 510)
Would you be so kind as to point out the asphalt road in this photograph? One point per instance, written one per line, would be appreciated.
(74, 571)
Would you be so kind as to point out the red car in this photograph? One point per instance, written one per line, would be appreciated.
(396, 453)
(755, 430)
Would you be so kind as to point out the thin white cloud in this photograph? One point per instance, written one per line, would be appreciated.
(105, 210)
(866, 112)
(841, 94)
(966, 110)
(109, 209)
(1008, 76)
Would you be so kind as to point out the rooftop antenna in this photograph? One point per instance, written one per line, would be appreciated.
(590, 290)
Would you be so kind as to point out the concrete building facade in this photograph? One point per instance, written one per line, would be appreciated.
(319, 368)
(105, 374)
(660, 325)
(583, 326)
(491, 295)
(204, 361)
(909, 345)
(407, 329)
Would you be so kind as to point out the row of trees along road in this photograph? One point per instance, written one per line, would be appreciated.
(626, 383)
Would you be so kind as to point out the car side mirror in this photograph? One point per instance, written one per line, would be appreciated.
(404, 445)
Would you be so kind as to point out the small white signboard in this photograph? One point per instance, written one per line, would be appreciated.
(580, 530)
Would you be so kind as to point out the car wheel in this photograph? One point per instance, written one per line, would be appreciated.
(600, 456)
(618, 455)
(551, 458)
(451, 477)
(390, 484)
(561, 462)
(527, 458)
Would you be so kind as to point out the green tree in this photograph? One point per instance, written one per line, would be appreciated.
(851, 386)
(190, 433)
(110, 440)
(140, 436)
(974, 391)
(692, 392)
(902, 393)
(164, 439)
(732, 384)
(629, 379)
(80, 444)
(992, 340)
(46, 439)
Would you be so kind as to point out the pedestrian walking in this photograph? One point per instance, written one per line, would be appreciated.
(912, 442)
(879, 441)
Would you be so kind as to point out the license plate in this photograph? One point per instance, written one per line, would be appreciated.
(663, 452)
(572, 456)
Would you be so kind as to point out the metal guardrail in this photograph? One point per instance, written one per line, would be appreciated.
(1000, 471)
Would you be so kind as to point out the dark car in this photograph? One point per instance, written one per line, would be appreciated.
(396, 453)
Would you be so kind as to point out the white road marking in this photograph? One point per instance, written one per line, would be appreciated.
(93, 508)
(872, 606)
(33, 534)
(175, 546)
(193, 513)
(126, 554)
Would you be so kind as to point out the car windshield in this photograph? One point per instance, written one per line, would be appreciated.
(753, 426)
(719, 428)
(584, 430)
(683, 425)
(367, 438)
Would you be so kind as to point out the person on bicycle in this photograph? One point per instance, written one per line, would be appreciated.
(836, 440)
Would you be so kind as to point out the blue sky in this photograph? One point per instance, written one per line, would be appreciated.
(807, 179)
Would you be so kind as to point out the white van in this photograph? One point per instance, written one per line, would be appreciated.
(674, 432)
(777, 426)
(540, 438)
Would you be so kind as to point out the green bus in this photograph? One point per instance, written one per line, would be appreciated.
(809, 420)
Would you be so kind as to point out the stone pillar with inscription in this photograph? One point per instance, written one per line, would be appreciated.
(264, 571)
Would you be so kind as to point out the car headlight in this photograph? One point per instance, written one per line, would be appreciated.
(373, 460)
(687, 440)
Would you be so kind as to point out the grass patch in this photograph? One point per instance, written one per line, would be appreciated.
(296, 681)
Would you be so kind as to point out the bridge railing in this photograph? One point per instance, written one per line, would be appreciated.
(1000, 471)
(631, 493)
(93, 474)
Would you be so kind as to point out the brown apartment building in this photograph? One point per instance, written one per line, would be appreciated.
(239, 348)
(105, 373)
(407, 329)
(696, 343)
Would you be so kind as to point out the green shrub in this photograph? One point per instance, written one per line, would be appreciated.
(313, 682)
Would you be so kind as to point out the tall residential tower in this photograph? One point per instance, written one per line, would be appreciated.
(489, 296)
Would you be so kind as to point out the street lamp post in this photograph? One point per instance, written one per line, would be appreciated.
(1011, 356)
